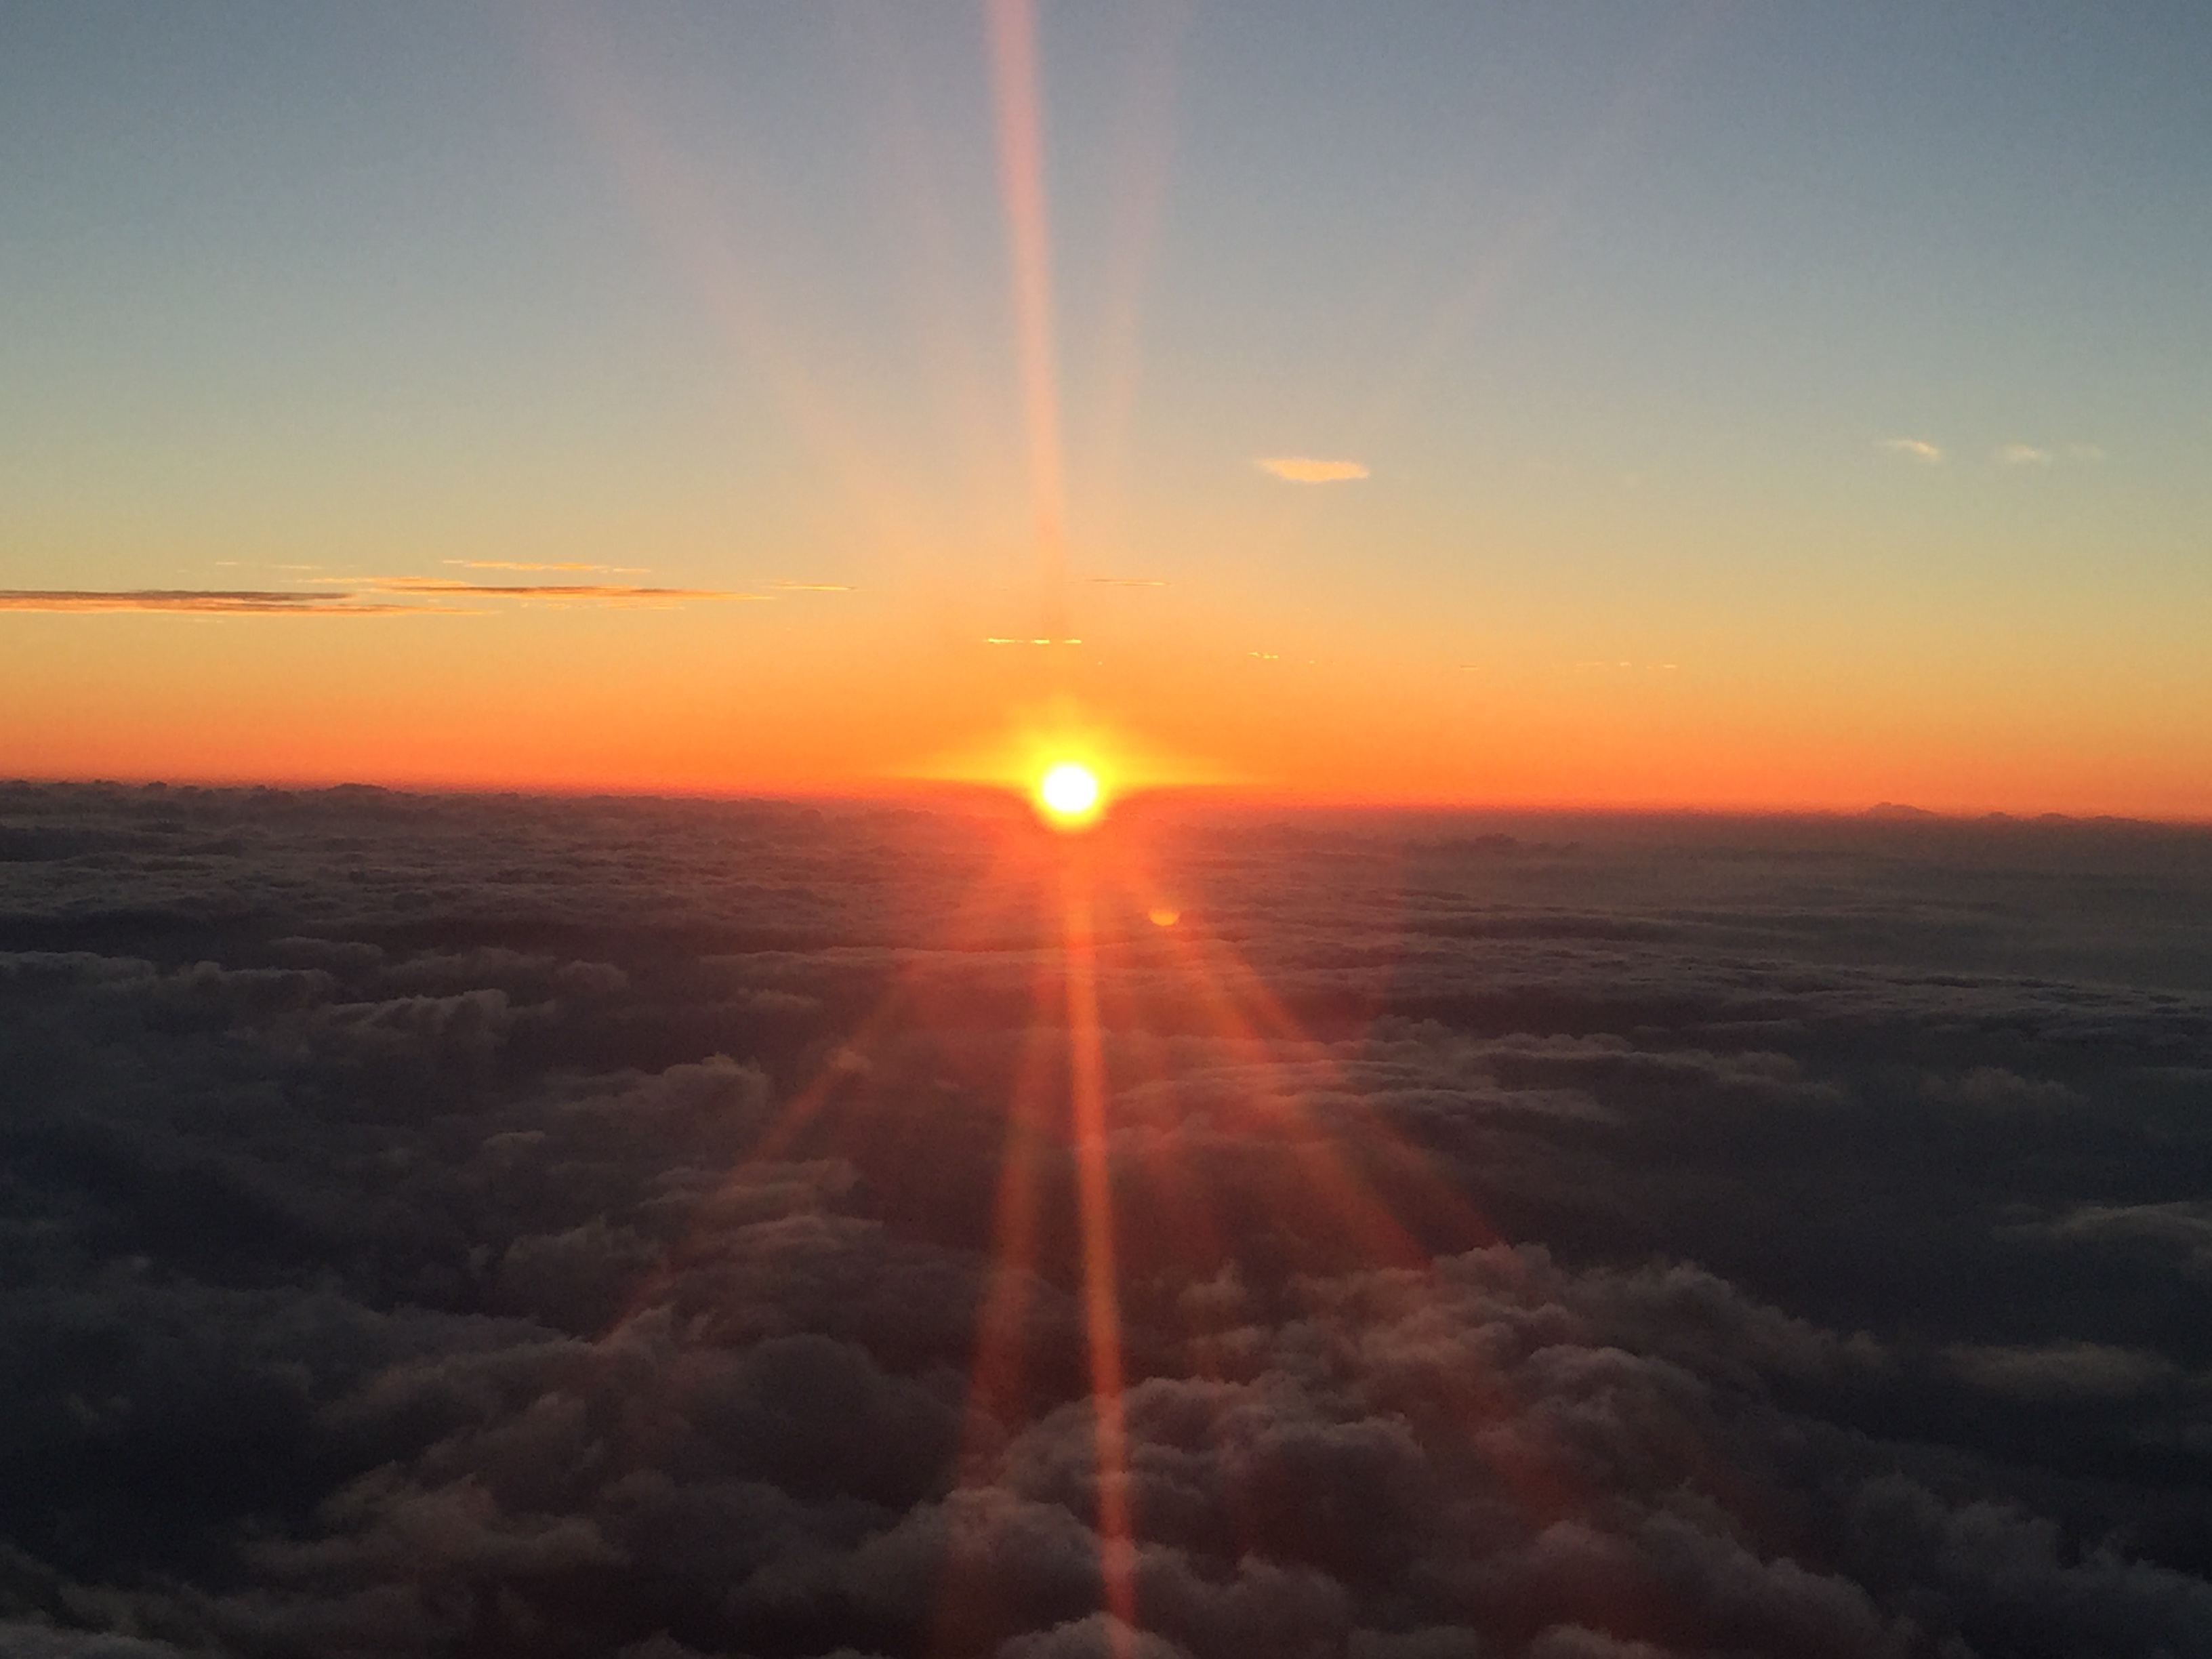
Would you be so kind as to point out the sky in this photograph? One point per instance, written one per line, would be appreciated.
(1686, 404)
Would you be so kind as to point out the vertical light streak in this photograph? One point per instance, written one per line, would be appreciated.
(1101, 1296)
(996, 1379)
(1014, 78)
(1147, 139)
(915, 183)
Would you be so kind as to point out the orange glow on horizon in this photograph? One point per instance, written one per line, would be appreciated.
(841, 704)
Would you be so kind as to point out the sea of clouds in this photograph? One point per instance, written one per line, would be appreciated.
(473, 1226)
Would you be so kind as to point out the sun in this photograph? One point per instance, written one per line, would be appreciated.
(1068, 794)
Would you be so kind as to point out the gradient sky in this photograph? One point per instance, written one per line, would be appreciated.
(1755, 407)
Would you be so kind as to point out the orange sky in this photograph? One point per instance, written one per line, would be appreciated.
(723, 701)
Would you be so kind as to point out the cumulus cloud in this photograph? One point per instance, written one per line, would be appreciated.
(1307, 469)
(1913, 449)
(2023, 455)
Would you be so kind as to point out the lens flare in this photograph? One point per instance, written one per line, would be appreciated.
(1068, 794)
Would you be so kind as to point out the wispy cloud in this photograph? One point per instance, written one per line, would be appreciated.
(204, 602)
(358, 596)
(1307, 469)
(813, 587)
(438, 587)
(509, 564)
(1914, 449)
(997, 639)
(613, 592)
(1126, 581)
(2036, 455)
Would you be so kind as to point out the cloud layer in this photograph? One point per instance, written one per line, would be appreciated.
(438, 1224)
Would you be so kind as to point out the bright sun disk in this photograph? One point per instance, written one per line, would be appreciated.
(1068, 792)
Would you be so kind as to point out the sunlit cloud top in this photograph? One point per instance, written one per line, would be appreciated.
(1308, 469)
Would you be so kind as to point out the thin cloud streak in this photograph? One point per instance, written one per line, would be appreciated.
(609, 593)
(207, 603)
(1308, 469)
(511, 564)
(364, 596)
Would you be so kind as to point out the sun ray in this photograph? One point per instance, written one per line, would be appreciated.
(1080, 907)
(683, 209)
(1100, 1283)
(1016, 87)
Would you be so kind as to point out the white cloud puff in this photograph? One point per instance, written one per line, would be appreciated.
(1915, 449)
